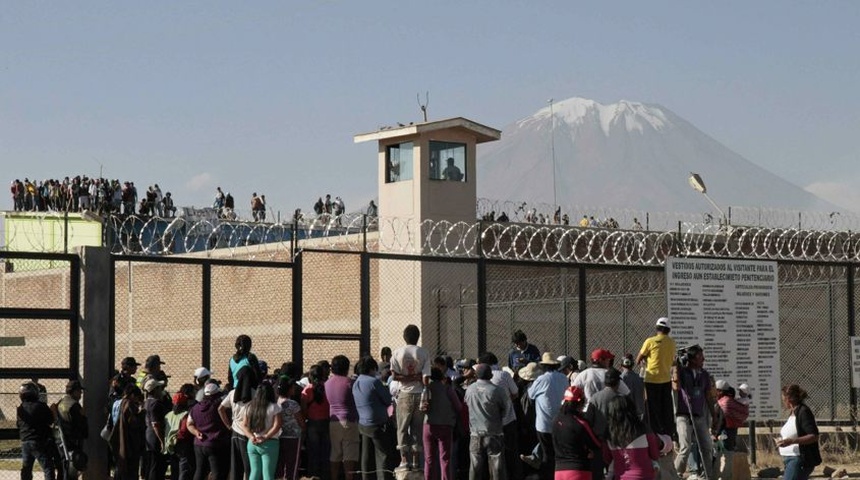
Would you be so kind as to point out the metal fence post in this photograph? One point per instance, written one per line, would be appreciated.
(852, 332)
(583, 337)
(482, 292)
(298, 346)
(206, 311)
(364, 343)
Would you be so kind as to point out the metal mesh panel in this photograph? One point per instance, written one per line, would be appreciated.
(394, 303)
(32, 283)
(254, 301)
(542, 301)
(158, 310)
(807, 297)
(622, 307)
(316, 350)
(46, 343)
(331, 292)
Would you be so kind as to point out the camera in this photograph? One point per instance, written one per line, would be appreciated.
(685, 354)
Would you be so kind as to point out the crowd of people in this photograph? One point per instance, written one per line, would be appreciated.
(81, 193)
(535, 414)
(531, 215)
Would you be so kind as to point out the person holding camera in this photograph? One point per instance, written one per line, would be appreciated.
(696, 400)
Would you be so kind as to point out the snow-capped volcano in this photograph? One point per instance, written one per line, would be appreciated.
(625, 155)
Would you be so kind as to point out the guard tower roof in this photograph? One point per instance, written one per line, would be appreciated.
(482, 133)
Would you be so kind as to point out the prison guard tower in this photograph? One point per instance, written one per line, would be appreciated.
(427, 171)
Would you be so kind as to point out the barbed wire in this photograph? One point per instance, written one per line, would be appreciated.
(489, 239)
(532, 212)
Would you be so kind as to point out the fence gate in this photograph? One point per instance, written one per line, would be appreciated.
(40, 295)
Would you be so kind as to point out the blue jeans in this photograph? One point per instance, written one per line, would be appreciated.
(795, 469)
(31, 451)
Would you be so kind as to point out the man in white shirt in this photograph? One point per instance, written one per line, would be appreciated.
(410, 365)
(591, 379)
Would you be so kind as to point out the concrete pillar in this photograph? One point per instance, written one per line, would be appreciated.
(97, 368)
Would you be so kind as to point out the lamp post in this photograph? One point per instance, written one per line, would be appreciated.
(699, 185)
(552, 147)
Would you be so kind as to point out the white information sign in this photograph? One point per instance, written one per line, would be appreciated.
(731, 309)
(855, 362)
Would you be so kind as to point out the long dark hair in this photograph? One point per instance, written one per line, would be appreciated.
(244, 385)
(258, 407)
(243, 347)
(316, 377)
(623, 421)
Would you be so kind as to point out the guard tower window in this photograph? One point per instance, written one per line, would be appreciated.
(398, 162)
(448, 161)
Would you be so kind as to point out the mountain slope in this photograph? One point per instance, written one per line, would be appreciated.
(625, 155)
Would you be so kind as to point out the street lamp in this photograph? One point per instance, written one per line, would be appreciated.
(552, 146)
(699, 185)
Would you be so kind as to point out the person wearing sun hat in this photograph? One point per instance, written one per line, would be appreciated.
(658, 354)
(547, 392)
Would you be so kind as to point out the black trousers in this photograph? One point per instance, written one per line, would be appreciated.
(661, 413)
(378, 451)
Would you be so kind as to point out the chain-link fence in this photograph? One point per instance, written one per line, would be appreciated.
(190, 311)
(39, 315)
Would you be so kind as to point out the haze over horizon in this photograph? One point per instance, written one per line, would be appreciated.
(266, 99)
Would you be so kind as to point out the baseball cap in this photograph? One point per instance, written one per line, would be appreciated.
(744, 388)
(723, 385)
(601, 354)
(180, 398)
(151, 384)
(153, 360)
(663, 322)
(129, 361)
(574, 394)
(466, 363)
(628, 360)
(73, 385)
(202, 372)
(211, 388)
(565, 362)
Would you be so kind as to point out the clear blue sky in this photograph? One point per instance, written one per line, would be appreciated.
(265, 96)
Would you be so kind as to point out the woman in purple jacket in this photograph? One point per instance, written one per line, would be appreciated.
(211, 436)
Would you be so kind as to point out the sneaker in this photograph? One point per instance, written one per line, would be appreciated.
(402, 467)
(531, 461)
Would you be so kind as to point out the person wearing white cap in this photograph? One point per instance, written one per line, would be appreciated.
(658, 353)
(201, 376)
(156, 405)
(730, 416)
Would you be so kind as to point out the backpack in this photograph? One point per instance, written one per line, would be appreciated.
(173, 424)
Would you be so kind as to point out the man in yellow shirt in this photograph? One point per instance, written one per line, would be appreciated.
(658, 353)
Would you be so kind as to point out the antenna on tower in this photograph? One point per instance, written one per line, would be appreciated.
(424, 105)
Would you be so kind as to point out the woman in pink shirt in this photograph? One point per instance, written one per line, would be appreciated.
(631, 446)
